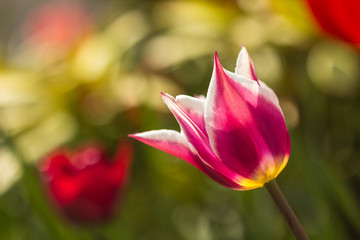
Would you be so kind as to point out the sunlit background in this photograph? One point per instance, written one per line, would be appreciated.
(78, 72)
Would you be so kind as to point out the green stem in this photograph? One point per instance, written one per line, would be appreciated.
(285, 209)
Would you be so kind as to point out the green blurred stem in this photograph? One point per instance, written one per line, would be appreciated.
(285, 209)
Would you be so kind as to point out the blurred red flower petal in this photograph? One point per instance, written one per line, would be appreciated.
(339, 18)
(85, 184)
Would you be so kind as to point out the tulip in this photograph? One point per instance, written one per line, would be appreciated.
(236, 135)
(83, 184)
(338, 18)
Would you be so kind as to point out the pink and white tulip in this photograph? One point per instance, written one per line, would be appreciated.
(237, 135)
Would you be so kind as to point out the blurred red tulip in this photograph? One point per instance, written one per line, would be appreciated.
(339, 18)
(85, 185)
(57, 25)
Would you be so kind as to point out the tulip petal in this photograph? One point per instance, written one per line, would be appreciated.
(244, 122)
(194, 108)
(169, 141)
(252, 90)
(245, 66)
(175, 143)
(200, 142)
(191, 130)
(266, 113)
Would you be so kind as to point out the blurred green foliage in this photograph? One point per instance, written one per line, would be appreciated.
(105, 83)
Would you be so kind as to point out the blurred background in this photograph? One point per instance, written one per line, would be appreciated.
(74, 72)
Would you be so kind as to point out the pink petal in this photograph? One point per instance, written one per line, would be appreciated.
(254, 89)
(244, 123)
(264, 104)
(245, 66)
(199, 140)
(169, 141)
(194, 108)
(176, 144)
